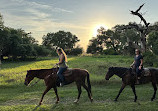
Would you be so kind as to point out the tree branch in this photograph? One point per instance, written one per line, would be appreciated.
(140, 15)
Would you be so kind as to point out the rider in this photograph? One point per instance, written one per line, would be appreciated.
(62, 65)
(137, 64)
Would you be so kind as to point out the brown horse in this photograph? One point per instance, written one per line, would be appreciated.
(129, 78)
(50, 77)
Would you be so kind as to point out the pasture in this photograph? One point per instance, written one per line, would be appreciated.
(15, 96)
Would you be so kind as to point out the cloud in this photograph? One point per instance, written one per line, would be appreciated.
(41, 6)
(37, 18)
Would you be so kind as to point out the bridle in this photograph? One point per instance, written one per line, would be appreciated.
(40, 79)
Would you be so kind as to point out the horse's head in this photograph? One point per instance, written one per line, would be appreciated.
(110, 73)
(29, 77)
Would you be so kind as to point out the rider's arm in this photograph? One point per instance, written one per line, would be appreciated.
(132, 63)
(141, 64)
(61, 59)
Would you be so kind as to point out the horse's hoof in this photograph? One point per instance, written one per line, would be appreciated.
(56, 102)
(40, 103)
(115, 100)
(91, 100)
(152, 99)
(76, 101)
(135, 100)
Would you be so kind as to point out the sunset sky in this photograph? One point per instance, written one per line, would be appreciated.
(81, 17)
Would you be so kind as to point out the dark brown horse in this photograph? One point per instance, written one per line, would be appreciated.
(50, 77)
(129, 78)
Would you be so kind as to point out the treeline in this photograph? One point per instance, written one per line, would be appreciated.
(17, 44)
(124, 40)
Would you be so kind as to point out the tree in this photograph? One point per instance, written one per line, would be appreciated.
(75, 51)
(153, 41)
(16, 43)
(94, 46)
(41, 50)
(143, 30)
(1, 22)
(1, 29)
(129, 38)
(106, 39)
(65, 40)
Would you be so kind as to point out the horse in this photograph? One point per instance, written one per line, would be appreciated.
(50, 77)
(129, 78)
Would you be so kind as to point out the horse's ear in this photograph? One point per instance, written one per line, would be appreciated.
(110, 68)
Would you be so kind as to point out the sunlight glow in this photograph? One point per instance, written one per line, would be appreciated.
(96, 27)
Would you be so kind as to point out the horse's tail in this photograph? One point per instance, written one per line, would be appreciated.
(89, 84)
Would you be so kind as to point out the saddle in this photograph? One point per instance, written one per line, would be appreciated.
(145, 72)
(68, 72)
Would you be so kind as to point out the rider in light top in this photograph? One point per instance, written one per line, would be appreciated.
(62, 65)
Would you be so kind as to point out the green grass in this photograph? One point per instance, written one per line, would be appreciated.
(14, 96)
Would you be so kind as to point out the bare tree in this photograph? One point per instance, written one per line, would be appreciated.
(143, 30)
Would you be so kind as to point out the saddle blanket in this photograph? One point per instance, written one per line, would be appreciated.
(146, 72)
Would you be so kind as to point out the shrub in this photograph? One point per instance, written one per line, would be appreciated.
(150, 59)
(110, 52)
(74, 51)
(41, 50)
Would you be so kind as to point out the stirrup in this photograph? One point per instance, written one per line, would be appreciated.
(61, 84)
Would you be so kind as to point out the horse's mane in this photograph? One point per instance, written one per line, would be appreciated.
(120, 71)
(40, 71)
(120, 68)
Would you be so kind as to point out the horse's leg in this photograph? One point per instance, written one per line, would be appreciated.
(134, 91)
(155, 89)
(79, 92)
(56, 92)
(122, 87)
(47, 89)
(89, 94)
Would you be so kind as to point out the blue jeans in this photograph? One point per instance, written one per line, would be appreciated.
(60, 73)
(138, 71)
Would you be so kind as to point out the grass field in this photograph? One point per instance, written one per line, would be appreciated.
(14, 96)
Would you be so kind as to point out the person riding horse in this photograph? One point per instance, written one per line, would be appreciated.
(137, 65)
(62, 65)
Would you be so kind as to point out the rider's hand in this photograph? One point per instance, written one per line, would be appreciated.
(140, 67)
(131, 65)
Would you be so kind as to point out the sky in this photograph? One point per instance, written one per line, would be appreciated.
(80, 17)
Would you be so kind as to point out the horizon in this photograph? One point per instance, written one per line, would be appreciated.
(81, 18)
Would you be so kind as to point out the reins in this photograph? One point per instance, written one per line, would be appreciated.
(34, 83)
(40, 79)
(126, 72)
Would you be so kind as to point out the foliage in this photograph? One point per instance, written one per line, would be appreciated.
(94, 46)
(1, 22)
(41, 50)
(123, 39)
(65, 40)
(150, 59)
(109, 52)
(16, 43)
(153, 41)
(75, 51)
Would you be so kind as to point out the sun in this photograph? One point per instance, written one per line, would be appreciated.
(96, 27)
